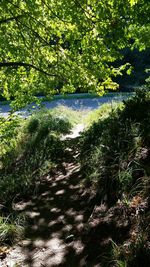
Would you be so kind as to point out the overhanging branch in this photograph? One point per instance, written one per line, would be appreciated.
(11, 18)
(26, 65)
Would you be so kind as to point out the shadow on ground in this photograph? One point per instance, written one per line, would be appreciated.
(56, 216)
(65, 226)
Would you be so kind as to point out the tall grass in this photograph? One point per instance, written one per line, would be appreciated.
(102, 113)
(29, 149)
(111, 146)
(115, 158)
(26, 145)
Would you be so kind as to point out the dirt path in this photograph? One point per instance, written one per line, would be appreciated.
(66, 226)
(56, 215)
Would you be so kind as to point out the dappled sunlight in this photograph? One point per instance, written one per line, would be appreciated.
(56, 216)
(68, 222)
(64, 226)
(33, 214)
(60, 192)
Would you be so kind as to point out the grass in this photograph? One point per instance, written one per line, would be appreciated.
(102, 113)
(27, 144)
(111, 146)
(115, 158)
(30, 148)
(74, 116)
(11, 229)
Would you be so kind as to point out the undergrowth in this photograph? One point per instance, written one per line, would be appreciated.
(114, 146)
(29, 149)
(115, 157)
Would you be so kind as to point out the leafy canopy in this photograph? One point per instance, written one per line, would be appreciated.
(58, 46)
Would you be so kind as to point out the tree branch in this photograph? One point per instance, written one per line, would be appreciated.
(56, 16)
(11, 18)
(26, 65)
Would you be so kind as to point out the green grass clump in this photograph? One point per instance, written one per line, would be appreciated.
(11, 229)
(74, 116)
(102, 113)
(9, 128)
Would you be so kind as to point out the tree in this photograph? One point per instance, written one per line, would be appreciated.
(58, 46)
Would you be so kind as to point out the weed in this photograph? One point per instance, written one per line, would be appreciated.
(10, 229)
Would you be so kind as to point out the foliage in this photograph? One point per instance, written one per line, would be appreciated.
(115, 158)
(133, 253)
(31, 148)
(139, 61)
(48, 46)
(113, 148)
(9, 129)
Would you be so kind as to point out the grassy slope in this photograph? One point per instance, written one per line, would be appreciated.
(29, 149)
(115, 161)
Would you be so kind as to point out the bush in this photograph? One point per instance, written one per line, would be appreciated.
(115, 158)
